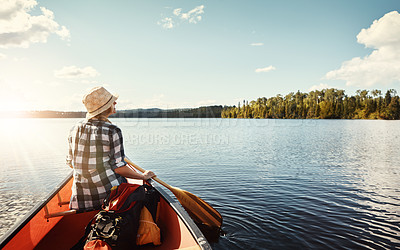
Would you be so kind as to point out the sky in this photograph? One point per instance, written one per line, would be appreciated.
(184, 53)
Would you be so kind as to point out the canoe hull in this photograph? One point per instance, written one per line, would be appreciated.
(37, 231)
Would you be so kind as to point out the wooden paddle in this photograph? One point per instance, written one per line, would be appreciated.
(199, 210)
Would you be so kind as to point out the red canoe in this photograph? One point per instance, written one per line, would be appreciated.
(51, 225)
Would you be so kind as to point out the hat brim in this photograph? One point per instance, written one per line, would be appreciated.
(106, 106)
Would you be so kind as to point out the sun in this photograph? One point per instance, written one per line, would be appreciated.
(10, 106)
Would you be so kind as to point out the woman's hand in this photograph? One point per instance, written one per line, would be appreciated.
(148, 174)
(128, 172)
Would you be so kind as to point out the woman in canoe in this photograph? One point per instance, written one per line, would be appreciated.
(96, 153)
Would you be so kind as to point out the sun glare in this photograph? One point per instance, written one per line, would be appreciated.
(12, 107)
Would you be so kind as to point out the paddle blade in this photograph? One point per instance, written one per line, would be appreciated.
(199, 210)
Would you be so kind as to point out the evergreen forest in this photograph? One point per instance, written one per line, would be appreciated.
(321, 104)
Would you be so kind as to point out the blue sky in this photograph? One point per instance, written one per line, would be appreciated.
(171, 54)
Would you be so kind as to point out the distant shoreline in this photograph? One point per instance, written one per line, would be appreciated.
(325, 104)
(201, 112)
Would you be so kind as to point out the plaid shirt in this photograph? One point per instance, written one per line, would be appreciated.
(95, 150)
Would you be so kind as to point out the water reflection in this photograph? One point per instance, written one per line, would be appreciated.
(32, 162)
(277, 183)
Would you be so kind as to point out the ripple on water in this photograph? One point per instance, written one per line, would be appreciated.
(280, 185)
(14, 206)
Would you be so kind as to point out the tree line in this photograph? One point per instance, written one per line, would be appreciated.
(321, 104)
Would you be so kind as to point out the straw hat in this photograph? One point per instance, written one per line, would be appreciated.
(97, 101)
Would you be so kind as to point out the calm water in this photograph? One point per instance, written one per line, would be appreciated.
(278, 183)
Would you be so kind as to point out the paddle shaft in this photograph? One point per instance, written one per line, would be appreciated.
(154, 178)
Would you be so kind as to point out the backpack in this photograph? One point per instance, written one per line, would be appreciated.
(116, 225)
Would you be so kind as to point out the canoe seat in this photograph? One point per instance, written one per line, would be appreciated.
(48, 215)
(60, 203)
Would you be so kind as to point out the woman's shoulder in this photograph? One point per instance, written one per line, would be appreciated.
(105, 126)
(109, 126)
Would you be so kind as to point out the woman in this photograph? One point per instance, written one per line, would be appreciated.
(96, 153)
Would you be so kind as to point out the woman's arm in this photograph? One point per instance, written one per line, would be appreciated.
(127, 172)
(118, 155)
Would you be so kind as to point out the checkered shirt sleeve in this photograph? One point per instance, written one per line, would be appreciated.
(95, 151)
(117, 149)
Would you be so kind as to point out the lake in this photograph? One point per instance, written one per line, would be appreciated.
(332, 184)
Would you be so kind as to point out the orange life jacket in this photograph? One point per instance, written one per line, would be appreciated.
(148, 231)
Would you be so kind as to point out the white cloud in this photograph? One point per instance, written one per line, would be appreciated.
(73, 72)
(177, 12)
(8, 9)
(166, 23)
(266, 69)
(256, 44)
(18, 28)
(2, 56)
(192, 16)
(319, 87)
(382, 66)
